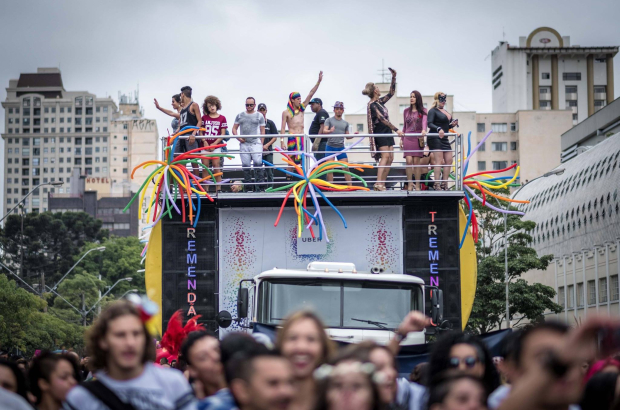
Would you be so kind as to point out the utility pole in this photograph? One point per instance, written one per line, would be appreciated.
(83, 311)
(21, 245)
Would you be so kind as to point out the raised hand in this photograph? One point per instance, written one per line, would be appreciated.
(392, 71)
(414, 322)
(156, 103)
(320, 76)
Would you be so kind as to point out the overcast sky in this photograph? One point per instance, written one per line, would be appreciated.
(267, 49)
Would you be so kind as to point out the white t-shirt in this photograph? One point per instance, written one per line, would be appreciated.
(410, 394)
(11, 401)
(155, 389)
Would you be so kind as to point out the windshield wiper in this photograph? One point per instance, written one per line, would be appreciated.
(372, 322)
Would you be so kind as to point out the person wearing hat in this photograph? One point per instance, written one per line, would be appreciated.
(316, 127)
(337, 126)
(270, 129)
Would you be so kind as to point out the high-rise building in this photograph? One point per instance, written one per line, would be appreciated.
(49, 131)
(546, 72)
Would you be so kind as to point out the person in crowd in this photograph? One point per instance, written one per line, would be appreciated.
(303, 341)
(418, 374)
(506, 367)
(293, 118)
(316, 127)
(271, 130)
(122, 353)
(190, 116)
(261, 380)
(12, 401)
(440, 122)
(201, 350)
(608, 365)
(457, 392)
(251, 148)
(379, 123)
(416, 122)
(51, 378)
(215, 127)
(460, 353)
(601, 391)
(176, 106)
(13, 379)
(336, 125)
(22, 364)
(349, 382)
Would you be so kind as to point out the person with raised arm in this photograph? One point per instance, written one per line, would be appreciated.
(293, 119)
(379, 123)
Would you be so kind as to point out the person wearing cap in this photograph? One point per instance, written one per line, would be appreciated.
(270, 129)
(316, 127)
(337, 126)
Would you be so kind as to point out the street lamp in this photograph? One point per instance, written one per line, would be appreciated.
(101, 249)
(129, 291)
(54, 183)
(105, 294)
(559, 171)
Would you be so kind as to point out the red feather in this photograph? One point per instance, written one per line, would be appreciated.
(176, 333)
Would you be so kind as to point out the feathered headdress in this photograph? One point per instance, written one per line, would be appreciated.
(290, 107)
(176, 333)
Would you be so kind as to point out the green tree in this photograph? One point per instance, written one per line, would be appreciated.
(528, 301)
(25, 326)
(50, 242)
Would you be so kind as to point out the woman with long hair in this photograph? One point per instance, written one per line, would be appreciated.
(379, 123)
(51, 377)
(415, 120)
(440, 122)
(459, 353)
(303, 341)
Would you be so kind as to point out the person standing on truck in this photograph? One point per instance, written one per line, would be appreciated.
(252, 123)
(270, 129)
(317, 126)
(215, 127)
(336, 125)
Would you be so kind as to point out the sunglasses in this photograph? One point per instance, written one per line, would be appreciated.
(250, 105)
(469, 362)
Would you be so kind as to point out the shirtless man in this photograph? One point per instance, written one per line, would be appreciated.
(293, 118)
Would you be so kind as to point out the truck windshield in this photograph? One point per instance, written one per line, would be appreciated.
(339, 302)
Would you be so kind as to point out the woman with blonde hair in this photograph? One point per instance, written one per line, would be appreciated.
(440, 122)
(304, 342)
(379, 123)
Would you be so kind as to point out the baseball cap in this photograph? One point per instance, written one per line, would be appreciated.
(262, 106)
(339, 104)
(316, 100)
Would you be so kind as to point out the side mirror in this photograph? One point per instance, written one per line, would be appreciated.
(437, 306)
(242, 302)
(223, 319)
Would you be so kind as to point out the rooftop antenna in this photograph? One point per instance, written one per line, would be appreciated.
(384, 73)
(503, 34)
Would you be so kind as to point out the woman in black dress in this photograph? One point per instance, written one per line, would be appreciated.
(379, 123)
(440, 122)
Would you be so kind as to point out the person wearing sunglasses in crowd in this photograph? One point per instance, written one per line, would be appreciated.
(415, 119)
(459, 353)
(251, 122)
(440, 122)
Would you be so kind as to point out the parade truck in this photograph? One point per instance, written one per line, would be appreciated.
(355, 306)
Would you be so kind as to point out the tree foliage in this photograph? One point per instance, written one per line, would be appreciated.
(527, 301)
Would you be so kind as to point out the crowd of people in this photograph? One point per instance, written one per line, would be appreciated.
(543, 366)
(257, 135)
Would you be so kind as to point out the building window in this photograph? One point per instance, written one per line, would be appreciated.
(598, 104)
(497, 165)
(561, 296)
(571, 296)
(482, 165)
(124, 170)
(513, 126)
(571, 76)
(78, 102)
(602, 290)
(614, 291)
(125, 126)
(481, 127)
(546, 76)
(513, 146)
(499, 127)
(580, 294)
(499, 146)
(360, 127)
(125, 138)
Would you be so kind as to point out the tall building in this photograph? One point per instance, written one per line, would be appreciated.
(49, 131)
(546, 72)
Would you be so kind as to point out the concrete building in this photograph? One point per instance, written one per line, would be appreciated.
(49, 131)
(578, 222)
(107, 207)
(546, 72)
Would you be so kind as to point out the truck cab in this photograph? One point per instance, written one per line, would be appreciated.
(354, 306)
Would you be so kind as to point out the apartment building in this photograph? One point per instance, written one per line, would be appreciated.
(546, 72)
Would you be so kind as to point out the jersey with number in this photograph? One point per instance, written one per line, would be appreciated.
(213, 127)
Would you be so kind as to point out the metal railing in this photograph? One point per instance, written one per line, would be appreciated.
(257, 176)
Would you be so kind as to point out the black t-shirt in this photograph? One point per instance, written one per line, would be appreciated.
(270, 129)
(319, 119)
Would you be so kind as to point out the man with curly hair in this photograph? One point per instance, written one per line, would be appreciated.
(215, 125)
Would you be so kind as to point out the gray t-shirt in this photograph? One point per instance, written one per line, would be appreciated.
(341, 127)
(249, 124)
(155, 389)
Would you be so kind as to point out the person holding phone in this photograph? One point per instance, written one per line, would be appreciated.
(440, 122)
(415, 120)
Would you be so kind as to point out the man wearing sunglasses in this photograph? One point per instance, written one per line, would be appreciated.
(252, 123)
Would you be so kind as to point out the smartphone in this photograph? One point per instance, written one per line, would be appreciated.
(609, 339)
